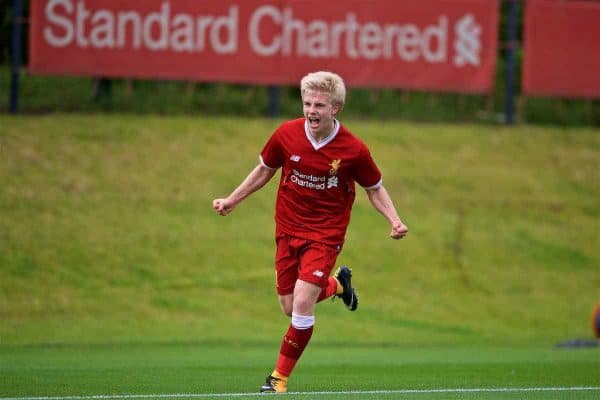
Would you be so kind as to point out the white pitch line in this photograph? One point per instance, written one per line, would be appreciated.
(348, 392)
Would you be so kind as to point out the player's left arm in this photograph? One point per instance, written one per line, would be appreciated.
(380, 199)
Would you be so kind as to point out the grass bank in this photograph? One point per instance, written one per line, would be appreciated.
(107, 234)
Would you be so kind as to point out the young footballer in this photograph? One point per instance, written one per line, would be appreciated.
(320, 162)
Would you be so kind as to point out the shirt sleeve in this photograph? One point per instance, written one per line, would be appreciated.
(366, 172)
(271, 155)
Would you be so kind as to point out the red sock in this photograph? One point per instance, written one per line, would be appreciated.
(328, 290)
(293, 344)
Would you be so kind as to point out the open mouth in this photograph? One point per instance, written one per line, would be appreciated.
(313, 121)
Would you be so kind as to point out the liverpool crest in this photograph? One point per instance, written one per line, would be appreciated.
(335, 165)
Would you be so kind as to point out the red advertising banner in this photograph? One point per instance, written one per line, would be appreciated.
(561, 54)
(445, 45)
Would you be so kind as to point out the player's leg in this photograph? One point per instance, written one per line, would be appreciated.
(315, 262)
(286, 302)
(287, 266)
(333, 287)
(345, 290)
(340, 285)
(297, 336)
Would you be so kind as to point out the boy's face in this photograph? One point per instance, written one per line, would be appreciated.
(319, 112)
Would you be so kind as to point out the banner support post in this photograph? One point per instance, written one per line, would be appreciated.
(17, 11)
(274, 95)
(511, 47)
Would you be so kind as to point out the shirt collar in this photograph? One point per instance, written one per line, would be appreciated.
(319, 144)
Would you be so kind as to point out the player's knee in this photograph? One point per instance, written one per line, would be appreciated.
(303, 306)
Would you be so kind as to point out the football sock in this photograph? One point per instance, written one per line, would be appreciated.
(293, 344)
(339, 289)
(333, 287)
(277, 375)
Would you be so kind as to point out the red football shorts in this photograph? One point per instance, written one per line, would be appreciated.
(302, 259)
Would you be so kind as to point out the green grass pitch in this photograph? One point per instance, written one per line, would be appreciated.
(327, 371)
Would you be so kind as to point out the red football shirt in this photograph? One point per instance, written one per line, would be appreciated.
(316, 190)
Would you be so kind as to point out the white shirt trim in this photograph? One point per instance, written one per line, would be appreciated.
(262, 162)
(375, 186)
(317, 145)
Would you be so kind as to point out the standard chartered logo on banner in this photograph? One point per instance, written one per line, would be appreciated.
(467, 45)
(84, 25)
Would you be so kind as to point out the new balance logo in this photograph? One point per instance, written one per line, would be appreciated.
(294, 158)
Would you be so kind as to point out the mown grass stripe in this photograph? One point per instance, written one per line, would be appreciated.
(343, 392)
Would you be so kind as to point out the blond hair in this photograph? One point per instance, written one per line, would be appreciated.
(326, 82)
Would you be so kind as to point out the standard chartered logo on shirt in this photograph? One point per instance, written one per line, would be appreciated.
(332, 182)
(310, 181)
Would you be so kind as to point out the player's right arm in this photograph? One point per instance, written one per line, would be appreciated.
(255, 180)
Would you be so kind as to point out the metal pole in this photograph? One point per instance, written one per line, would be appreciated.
(15, 49)
(511, 47)
(274, 95)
